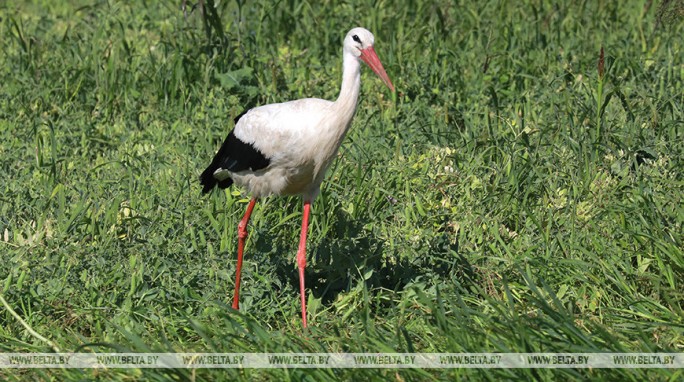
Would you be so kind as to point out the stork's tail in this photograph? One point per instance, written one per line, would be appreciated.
(208, 180)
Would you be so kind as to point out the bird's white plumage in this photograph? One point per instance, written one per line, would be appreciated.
(301, 138)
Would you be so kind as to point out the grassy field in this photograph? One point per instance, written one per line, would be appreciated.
(511, 197)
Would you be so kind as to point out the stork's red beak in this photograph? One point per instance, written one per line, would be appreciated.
(371, 59)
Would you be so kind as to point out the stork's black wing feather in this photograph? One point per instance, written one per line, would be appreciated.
(234, 156)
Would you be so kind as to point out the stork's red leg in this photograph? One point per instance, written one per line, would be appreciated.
(242, 237)
(301, 257)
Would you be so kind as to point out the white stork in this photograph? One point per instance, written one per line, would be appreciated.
(285, 148)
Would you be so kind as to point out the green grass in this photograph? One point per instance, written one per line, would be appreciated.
(507, 199)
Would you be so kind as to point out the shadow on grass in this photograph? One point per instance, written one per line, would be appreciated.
(349, 253)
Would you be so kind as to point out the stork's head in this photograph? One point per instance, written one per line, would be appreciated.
(359, 42)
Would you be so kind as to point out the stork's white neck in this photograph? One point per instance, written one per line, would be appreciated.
(340, 117)
(345, 104)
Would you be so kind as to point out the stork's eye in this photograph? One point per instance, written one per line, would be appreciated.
(356, 38)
